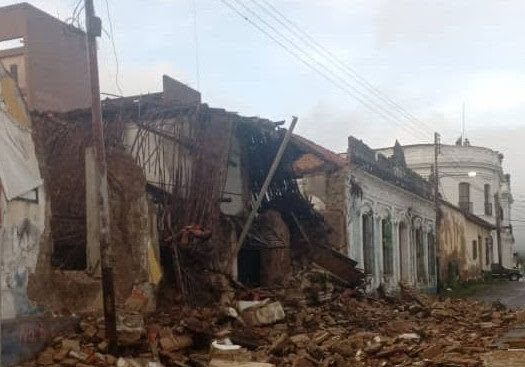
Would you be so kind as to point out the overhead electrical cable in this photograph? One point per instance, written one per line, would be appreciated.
(310, 41)
(318, 67)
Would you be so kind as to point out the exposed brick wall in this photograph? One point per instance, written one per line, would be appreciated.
(334, 212)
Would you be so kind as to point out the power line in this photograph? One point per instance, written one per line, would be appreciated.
(196, 41)
(292, 26)
(299, 34)
(324, 67)
(326, 73)
(74, 19)
(112, 38)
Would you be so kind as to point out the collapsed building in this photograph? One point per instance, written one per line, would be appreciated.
(183, 177)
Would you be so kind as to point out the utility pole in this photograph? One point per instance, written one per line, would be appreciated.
(94, 30)
(463, 124)
(498, 226)
(435, 170)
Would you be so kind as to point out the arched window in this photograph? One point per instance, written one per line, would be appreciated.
(431, 254)
(420, 253)
(368, 242)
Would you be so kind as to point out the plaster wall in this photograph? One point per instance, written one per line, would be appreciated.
(407, 212)
(459, 259)
(22, 225)
(455, 163)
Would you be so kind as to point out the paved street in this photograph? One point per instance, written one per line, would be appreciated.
(512, 294)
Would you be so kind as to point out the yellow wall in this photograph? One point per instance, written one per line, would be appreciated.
(456, 235)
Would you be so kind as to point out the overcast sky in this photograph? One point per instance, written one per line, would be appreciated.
(428, 56)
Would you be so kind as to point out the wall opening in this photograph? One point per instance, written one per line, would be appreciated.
(480, 251)
(488, 204)
(368, 242)
(249, 266)
(464, 197)
(431, 254)
(11, 44)
(474, 249)
(404, 253)
(488, 251)
(388, 253)
(420, 256)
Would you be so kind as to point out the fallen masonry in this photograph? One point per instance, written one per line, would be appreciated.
(312, 321)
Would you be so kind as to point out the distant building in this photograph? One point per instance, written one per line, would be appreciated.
(471, 178)
(47, 58)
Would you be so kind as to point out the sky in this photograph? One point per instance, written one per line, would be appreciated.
(430, 57)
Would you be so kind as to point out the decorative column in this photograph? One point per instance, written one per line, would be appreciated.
(395, 251)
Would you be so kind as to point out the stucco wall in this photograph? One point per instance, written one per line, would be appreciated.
(406, 210)
(455, 162)
(22, 225)
(22, 201)
(456, 237)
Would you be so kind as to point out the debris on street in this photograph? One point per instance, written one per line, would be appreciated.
(293, 326)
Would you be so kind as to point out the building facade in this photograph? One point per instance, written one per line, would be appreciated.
(388, 217)
(22, 202)
(473, 179)
(466, 245)
(47, 58)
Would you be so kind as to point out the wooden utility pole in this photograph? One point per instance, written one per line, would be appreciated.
(498, 227)
(94, 29)
(435, 169)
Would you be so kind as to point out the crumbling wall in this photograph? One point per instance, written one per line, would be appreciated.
(327, 192)
(276, 262)
(456, 234)
(133, 223)
(22, 201)
(22, 230)
(335, 211)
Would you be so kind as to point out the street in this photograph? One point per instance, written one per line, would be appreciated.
(511, 294)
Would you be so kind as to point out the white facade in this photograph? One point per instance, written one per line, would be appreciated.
(410, 216)
(457, 165)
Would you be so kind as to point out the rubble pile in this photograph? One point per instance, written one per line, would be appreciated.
(313, 321)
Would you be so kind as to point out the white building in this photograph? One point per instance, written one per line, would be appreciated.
(472, 178)
(389, 217)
